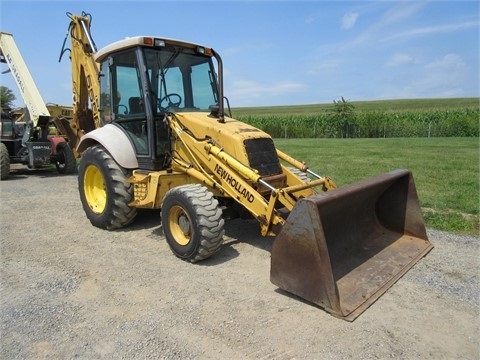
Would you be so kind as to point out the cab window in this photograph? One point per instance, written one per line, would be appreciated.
(126, 100)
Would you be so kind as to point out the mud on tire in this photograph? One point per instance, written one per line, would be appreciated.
(103, 191)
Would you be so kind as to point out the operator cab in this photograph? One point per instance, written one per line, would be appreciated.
(143, 79)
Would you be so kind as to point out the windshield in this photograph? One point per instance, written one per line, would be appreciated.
(181, 80)
(140, 82)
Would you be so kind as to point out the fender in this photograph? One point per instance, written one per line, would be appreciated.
(54, 141)
(114, 140)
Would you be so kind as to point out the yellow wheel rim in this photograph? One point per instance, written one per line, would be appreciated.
(94, 189)
(180, 225)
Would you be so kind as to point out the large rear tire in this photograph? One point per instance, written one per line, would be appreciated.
(104, 193)
(4, 162)
(192, 222)
(66, 162)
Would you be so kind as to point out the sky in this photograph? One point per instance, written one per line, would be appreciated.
(274, 52)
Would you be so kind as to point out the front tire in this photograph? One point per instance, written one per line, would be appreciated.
(65, 162)
(104, 193)
(4, 162)
(192, 222)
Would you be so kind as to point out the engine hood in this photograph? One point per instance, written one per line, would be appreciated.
(231, 135)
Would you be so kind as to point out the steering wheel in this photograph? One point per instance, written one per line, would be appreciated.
(120, 106)
(170, 102)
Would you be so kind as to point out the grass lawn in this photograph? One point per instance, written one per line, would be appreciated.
(446, 171)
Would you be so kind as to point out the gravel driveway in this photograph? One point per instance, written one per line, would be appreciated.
(70, 290)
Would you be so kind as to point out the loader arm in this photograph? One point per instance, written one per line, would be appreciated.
(235, 181)
(238, 181)
(204, 162)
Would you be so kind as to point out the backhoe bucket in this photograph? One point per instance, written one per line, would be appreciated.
(342, 249)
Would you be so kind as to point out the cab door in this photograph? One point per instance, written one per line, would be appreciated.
(124, 104)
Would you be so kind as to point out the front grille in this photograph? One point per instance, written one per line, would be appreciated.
(262, 156)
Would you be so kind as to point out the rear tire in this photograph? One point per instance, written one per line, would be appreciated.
(66, 162)
(192, 222)
(4, 162)
(104, 193)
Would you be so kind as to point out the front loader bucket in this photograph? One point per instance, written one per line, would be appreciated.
(342, 249)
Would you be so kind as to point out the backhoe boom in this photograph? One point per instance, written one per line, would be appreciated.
(85, 77)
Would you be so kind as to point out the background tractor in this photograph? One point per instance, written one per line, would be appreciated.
(26, 136)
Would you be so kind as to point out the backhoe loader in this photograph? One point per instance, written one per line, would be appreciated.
(154, 131)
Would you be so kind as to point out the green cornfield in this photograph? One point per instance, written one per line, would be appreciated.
(376, 119)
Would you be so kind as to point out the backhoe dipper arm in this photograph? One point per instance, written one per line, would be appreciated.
(85, 77)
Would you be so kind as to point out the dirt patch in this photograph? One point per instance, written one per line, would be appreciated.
(70, 290)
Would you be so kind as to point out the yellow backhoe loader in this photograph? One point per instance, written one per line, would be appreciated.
(152, 131)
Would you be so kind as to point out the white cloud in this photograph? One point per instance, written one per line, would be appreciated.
(432, 30)
(377, 28)
(400, 12)
(399, 59)
(446, 76)
(450, 66)
(254, 88)
(323, 67)
(309, 20)
(248, 90)
(349, 19)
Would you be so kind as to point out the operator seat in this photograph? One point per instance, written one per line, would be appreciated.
(135, 104)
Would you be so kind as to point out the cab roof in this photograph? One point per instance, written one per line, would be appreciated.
(140, 41)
